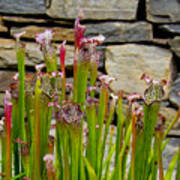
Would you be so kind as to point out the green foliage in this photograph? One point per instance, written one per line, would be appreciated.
(82, 143)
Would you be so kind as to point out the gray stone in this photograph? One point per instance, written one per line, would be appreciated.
(1, 99)
(170, 114)
(170, 150)
(174, 133)
(114, 32)
(25, 20)
(22, 7)
(101, 9)
(128, 62)
(171, 28)
(34, 55)
(174, 92)
(1, 112)
(164, 11)
(121, 32)
(175, 45)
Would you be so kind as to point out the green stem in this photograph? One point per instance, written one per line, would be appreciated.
(36, 171)
(100, 122)
(20, 53)
(150, 118)
(111, 113)
(75, 75)
(133, 147)
(159, 143)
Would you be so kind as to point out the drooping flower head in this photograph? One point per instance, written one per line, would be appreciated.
(155, 91)
(96, 40)
(106, 79)
(39, 67)
(133, 97)
(17, 36)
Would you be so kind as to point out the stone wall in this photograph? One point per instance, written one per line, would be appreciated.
(141, 36)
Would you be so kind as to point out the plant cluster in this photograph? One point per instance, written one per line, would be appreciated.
(59, 131)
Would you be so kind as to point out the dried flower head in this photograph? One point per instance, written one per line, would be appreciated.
(17, 36)
(69, 113)
(25, 149)
(91, 101)
(14, 90)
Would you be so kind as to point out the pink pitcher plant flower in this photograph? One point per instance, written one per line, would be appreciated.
(137, 110)
(78, 33)
(8, 109)
(96, 40)
(15, 77)
(8, 119)
(44, 39)
(62, 55)
(49, 160)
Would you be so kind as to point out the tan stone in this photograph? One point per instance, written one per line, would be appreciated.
(59, 34)
(7, 43)
(33, 54)
(128, 62)
(5, 80)
(175, 45)
(17, 19)
(160, 41)
(3, 28)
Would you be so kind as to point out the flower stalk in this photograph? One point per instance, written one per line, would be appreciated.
(7, 124)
